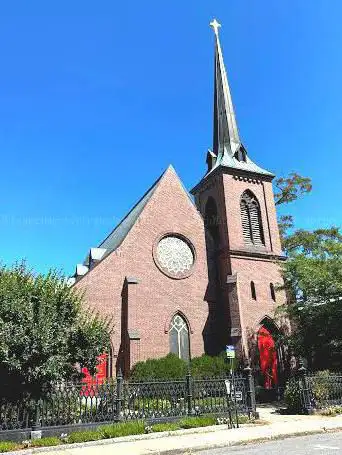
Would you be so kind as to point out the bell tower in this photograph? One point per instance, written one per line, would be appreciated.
(235, 198)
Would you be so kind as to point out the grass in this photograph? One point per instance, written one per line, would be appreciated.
(7, 446)
(116, 430)
(46, 442)
(171, 426)
(84, 436)
(194, 422)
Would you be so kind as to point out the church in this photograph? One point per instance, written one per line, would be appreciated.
(189, 273)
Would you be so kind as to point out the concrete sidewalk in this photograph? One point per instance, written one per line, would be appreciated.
(188, 441)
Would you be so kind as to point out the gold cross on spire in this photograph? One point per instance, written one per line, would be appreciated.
(215, 26)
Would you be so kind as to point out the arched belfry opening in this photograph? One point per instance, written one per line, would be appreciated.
(252, 230)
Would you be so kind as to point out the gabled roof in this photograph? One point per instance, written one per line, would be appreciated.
(116, 237)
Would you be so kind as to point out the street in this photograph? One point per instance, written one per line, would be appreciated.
(324, 444)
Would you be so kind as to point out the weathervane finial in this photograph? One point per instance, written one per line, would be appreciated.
(215, 25)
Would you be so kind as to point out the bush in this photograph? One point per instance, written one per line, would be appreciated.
(207, 366)
(7, 446)
(321, 385)
(332, 411)
(292, 396)
(169, 367)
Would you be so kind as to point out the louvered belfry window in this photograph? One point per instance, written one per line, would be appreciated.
(251, 220)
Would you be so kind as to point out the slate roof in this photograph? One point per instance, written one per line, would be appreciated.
(226, 160)
(116, 237)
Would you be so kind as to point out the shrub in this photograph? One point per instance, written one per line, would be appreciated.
(292, 396)
(7, 446)
(194, 422)
(321, 386)
(169, 367)
(332, 411)
(46, 442)
(117, 430)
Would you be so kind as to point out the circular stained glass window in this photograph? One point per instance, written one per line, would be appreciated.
(175, 255)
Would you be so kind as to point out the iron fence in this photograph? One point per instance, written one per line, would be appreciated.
(319, 390)
(118, 400)
(325, 389)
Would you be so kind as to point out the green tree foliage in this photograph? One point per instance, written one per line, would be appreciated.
(289, 189)
(313, 278)
(44, 331)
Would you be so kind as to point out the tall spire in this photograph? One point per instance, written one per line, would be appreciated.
(226, 134)
(228, 150)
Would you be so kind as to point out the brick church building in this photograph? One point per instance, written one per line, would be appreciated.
(190, 274)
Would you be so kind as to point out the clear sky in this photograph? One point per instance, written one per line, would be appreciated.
(97, 98)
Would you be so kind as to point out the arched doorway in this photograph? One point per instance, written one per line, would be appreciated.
(268, 358)
(271, 359)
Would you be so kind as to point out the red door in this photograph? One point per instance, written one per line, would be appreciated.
(268, 357)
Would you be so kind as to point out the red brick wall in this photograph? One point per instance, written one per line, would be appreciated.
(227, 189)
(157, 297)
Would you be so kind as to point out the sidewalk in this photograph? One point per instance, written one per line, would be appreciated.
(185, 442)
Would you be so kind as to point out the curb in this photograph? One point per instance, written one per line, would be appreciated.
(181, 451)
(121, 439)
(250, 441)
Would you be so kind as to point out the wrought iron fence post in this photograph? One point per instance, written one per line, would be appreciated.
(305, 390)
(36, 432)
(251, 402)
(119, 389)
(189, 392)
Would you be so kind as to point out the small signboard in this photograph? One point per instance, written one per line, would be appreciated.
(228, 386)
(237, 395)
(230, 351)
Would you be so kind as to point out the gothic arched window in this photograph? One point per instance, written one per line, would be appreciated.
(251, 220)
(179, 337)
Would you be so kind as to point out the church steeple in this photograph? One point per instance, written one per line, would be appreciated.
(228, 150)
(226, 134)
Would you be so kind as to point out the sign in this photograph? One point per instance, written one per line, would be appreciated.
(228, 386)
(237, 395)
(235, 332)
(230, 351)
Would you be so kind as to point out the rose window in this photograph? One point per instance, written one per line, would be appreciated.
(175, 255)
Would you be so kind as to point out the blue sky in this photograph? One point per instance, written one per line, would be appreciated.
(97, 98)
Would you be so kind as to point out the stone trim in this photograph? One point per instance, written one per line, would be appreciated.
(257, 254)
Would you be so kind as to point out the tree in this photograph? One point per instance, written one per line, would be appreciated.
(313, 278)
(45, 331)
(289, 189)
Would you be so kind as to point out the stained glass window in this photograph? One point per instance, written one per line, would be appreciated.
(179, 337)
(175, 255)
